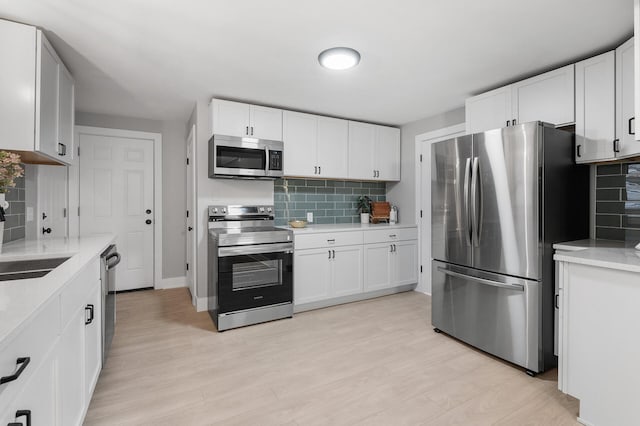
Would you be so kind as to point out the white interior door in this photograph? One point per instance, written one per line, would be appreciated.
(116, 196)
(191, 213)
(52, 202)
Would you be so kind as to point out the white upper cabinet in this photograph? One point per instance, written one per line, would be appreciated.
(300, 137)
(636, 52)
(374, 152)
(37, 102)
(490, 110)
(333, 148)
(387, 153)
(244, 120)
(315, 146)
(362, 142)
(547, 97)
(628, 145)
(595, 108)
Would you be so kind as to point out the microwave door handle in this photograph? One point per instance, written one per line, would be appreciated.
(266, 160)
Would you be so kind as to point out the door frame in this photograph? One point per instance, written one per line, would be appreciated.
(193, 264)
(158, 281)
(424, 222)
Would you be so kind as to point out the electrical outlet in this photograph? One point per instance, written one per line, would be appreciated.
(310, 217)
(29, 214)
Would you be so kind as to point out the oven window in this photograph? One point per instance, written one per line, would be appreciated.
(258, 271)
(240, 158)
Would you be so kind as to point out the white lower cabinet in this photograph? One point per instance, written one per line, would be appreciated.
(55, 387)
(36, 403)
(325, 273)
(329, 267)
(390, 264)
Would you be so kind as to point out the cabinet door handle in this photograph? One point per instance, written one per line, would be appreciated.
(315, 170)
(329, 254)
(513, 122)
(333, 252)
(251, 130)
(374, 173)
(89, 308)
(616, 145)
(557, 301)
(24, 413)
(22, 362)
(319, 170)
(62, 149)
(508, 123)
(578, 151)
(630, 120)
(246, 131)
(390, 248)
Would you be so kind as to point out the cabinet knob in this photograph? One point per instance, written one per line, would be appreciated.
(46, 230)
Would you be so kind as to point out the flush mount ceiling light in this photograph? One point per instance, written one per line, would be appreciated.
(339, 58)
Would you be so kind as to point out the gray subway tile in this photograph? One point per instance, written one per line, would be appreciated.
(325, 191)
(344, 190)
(344, 219)
(352, 184)
(325, 220)
(610, 233)
(12, 221)
(617, 181)
(17, 233)
(16, 207)
(336, 198)
(316, 197)
(608, 169)
(336, 183)
(610, 207)
(630, 235)
(631, 221)
(335, 212)
(611, 220)
(608, 194)
(344, 205)
(305, 206)
(311, 182)
(325, 205)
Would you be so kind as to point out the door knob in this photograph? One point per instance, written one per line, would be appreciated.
(46, 230)
(148, 211)
(148, 221)
(190, 228)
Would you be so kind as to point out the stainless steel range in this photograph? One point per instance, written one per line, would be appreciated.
(250, 267)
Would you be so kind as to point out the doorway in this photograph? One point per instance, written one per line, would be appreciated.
(119, 195)
(191, 214)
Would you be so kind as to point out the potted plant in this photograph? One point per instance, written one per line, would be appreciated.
(10, 169)
(364, 208)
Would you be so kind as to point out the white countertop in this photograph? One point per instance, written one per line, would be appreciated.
(602, 253)
(21, 299)
(316, 229)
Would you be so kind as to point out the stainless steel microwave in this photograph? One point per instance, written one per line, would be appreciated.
(245, 157)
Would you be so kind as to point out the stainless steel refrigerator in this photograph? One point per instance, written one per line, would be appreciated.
(500, 199)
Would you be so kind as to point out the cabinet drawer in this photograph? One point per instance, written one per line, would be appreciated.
(387, 235)
(75, 293)
(34, 341)
(329, 239)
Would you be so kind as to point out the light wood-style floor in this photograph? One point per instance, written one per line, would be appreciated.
(376, 362)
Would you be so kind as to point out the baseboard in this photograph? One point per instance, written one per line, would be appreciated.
(352, 298)
(422, 291)
(174, 282)
(201, 304)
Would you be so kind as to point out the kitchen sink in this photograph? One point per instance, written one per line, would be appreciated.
(32, 268)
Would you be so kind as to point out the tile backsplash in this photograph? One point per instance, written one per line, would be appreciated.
(15, 217)
(618, 202)
(331, 201)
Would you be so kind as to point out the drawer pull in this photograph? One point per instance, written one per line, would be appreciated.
(333, 240)
(23, 362)
(392, 236)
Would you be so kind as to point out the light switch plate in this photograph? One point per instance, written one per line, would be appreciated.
(310, 217)
(29, 217)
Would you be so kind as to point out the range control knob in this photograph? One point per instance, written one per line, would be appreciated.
(261, 209)
(269, 209)
(215, 210)
(224, 211)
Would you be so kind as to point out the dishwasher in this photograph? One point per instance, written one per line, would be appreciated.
(108, 261)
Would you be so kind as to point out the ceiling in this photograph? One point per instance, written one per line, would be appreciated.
(154, 58)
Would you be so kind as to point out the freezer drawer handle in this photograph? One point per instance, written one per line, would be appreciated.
(517, 287)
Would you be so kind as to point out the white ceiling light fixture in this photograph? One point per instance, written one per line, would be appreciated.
(339, 58)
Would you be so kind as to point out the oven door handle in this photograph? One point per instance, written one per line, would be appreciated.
(267, 161)
(255, 249)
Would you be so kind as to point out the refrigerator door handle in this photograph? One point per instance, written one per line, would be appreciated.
(467, 210)
(515, 287)
(475, 202)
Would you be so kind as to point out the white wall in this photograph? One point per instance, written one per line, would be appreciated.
(402, 193)
(216, 191)
(173, 181)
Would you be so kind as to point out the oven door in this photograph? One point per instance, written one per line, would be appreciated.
(254, 276)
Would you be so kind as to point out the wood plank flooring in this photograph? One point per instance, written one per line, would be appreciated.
(376, 362)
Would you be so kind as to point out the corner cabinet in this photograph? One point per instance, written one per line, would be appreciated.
(245, 120)
(37, 102)
(605, 108)
(547, 97)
